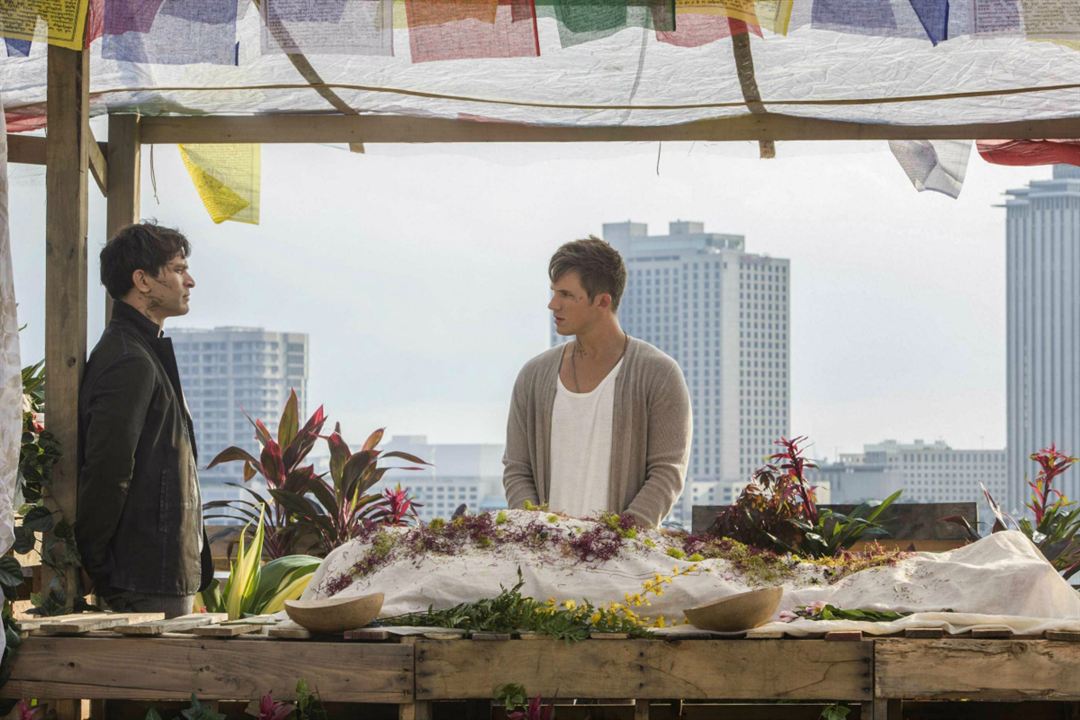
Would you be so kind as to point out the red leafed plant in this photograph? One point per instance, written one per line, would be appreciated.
(777, 495)
(280, 464)
(343, 510)
(535, 710)
(271, 709)
(1044, 497)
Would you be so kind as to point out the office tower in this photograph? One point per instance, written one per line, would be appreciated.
(723, 315)
(226, 372)
(458, 474)
(1042, 238)
(926, 472)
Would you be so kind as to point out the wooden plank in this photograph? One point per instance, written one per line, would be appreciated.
(26, 149)
(844, 635)
(647, 669)
(220, 630)
(992, 632)
(99, 168)
(487, 636)
(66, 159)
(35, 622)
(123, 199)
(961, 668)
(288, 630)
(641, 710)
(1062, 635)
(300, 128)
(608, 636)
(924, 633)
(369, 635)
(75, 625)
(173, 668)
(415, 711)
(154, 628)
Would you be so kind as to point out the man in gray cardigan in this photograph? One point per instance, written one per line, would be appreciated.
(602, 423)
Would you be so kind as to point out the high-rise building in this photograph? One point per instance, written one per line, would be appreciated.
(925, 472)
(458, 474)
(723, 314)
(226, 372)
(1042, 239)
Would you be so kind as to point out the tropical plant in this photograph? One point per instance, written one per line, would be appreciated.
(778, 510)
(342, 510)
(519, 706)
(308, 704)
(281, 465)
(271, 709)
(253, 588)
(1056, 527)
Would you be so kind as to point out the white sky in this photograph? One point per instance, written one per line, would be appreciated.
(420, 273)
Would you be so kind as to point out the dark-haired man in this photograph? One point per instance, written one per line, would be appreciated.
(139, 521)
(600, 424)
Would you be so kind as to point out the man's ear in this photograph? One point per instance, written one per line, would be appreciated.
(603, 301)
(140, 280)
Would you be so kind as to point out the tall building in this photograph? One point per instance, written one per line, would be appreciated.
(226, 372)
(925, 472)
(723, 315)
(1042, 239)
(458, 474)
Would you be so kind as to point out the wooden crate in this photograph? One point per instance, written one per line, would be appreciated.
(647, 669)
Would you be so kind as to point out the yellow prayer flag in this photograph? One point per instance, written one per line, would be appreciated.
(65, 19)
(226, 178)
(773, 15)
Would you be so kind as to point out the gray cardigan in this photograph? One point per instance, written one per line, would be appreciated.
(650, 434)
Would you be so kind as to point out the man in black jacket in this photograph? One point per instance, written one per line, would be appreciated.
(139, 522)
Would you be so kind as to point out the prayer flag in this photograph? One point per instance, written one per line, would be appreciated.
(11, 391)
(227, 179)
(170, 32)
(934, 17)
(1029, 152)
(938, 165)
(457, 30)
(65, 20)
(358, 27)
(874, 16)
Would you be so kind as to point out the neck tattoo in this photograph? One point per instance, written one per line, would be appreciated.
(573, 365)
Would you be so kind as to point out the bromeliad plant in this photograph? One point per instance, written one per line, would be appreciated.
(281, 465)
(255, 589)
(778, 511)
(1056, 527)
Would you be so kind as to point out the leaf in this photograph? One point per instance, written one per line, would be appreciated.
(339, 455)
(291, 591)
(405, 456)
(25, 540)
(289, 422)
(972, 533)
(10, 572)
(231, 454)
(245, 573)
(373, 440)
(39, 519)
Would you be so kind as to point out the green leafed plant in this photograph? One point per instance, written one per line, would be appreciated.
(255, 589)
(835, 532)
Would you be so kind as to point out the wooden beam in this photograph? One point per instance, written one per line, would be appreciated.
(26, 149)
(647, 669)
(30, 149)
(98, 167)
(214, 669)
(66, 156)
(957, 669)
(123, 199)
(302, 128)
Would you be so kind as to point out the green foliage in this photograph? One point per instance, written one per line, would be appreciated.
(308, 704)
(510, 611)
(834, 532)
(255, 589)
(198, 711)
(839, 711)
(831, 612)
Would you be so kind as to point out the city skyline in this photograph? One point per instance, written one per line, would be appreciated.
(389, 299)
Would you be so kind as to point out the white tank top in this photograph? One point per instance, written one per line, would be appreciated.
(581, 448)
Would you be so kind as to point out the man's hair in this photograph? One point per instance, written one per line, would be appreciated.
(144, 246)
(598, 264)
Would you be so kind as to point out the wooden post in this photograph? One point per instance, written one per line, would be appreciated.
(125, 168)
(66, 158)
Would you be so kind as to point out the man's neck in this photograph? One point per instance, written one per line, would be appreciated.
(147, 312)
(604, 341)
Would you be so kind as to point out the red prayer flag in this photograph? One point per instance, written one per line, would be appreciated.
(1030, 152)
(459, 29)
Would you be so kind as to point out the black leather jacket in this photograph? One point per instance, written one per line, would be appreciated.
(139, 520)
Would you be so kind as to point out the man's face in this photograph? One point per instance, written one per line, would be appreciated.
(171, 289)
(571, 306)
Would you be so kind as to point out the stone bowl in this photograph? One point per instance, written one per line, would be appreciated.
(737, 612)
(335, 614)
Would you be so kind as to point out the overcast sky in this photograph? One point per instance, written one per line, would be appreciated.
(420, 273)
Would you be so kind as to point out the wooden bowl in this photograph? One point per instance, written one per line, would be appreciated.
(335, 614)
(737, 612)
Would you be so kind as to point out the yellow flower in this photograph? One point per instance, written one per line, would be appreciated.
(569, 604)
(660, 622)
(595, 617)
